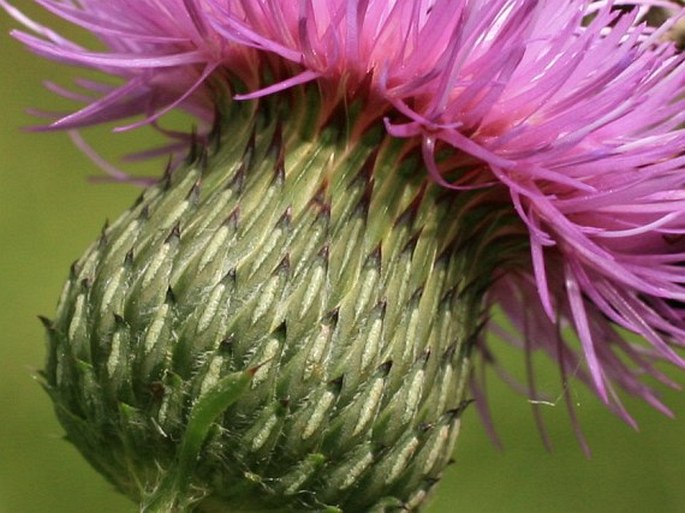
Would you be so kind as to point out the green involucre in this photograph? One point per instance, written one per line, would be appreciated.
(282, 324)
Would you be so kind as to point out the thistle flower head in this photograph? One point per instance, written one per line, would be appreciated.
(571, 108)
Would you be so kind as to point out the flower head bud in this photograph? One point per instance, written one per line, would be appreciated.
(279, 323)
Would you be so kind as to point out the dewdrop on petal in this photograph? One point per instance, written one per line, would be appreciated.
(287, 321)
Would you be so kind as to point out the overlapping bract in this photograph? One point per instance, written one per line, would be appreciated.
(575, 106)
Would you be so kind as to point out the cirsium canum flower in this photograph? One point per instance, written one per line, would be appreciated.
(368, 180)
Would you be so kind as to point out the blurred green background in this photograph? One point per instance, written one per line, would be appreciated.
(49, 212)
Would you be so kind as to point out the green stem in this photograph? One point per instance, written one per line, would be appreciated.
(172, 496)
(166, 502)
